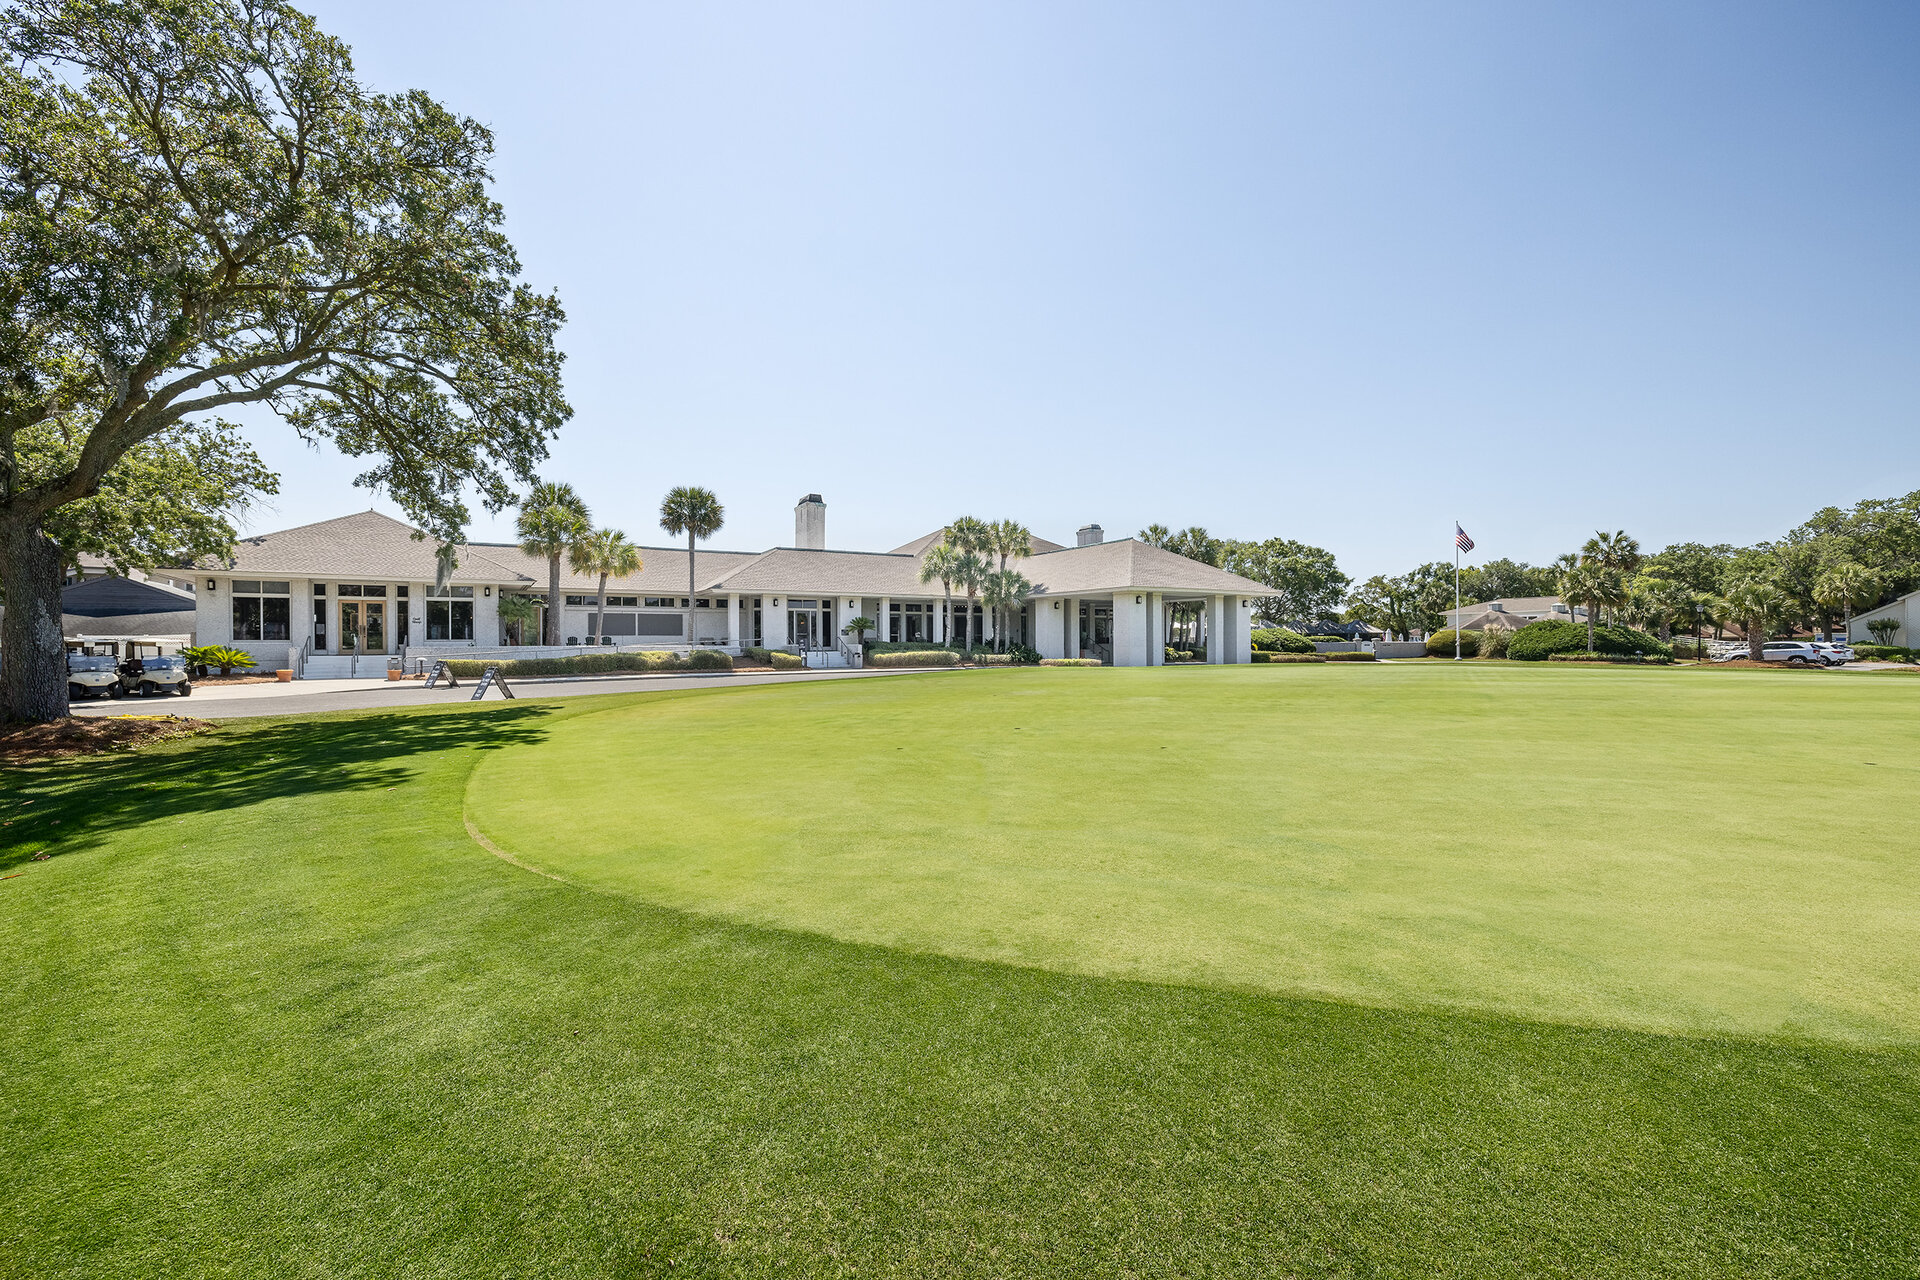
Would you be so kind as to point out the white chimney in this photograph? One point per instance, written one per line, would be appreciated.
(810, 524)
(1091, 535)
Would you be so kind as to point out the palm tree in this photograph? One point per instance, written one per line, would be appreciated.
(1005, 590)
(1584, 584)
(1010, 538)
(698, 514)
(1754, 605)
(552, 521)
(970, 570)
(1842, 587)
(972, 538)
(942, 562)
(1619, 555)
(1156, 535)
(607, 553)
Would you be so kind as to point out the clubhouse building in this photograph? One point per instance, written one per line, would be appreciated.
(351, 595)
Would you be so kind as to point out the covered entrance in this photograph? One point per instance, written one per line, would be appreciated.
(1096, 631)
(810, 624)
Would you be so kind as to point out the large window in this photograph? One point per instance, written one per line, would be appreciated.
(450, 614)
(262, 610)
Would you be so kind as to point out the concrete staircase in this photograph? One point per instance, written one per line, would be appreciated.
(327, 666)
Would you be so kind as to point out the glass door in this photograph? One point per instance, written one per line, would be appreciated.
(363, 626)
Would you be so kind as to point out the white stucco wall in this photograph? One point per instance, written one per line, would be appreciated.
(1906, 610)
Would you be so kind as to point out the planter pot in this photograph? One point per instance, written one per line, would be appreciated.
(284, 675)
(394, 673)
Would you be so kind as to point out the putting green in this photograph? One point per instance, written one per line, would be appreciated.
(1674, 850)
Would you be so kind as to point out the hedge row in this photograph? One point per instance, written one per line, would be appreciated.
(780, 660)
(1538, 641)
(596, 664)
(1349, 655)
(915, 658)
(1616, 659)
(1884, 652)
(1069, 662)
(1260, 655)
(1281, 640)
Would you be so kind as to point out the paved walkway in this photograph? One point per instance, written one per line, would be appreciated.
(222, 702)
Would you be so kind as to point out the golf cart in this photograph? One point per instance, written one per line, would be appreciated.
(92, 675)
(151, 674)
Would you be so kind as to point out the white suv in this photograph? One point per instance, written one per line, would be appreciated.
(1798, 653)
(1838, 652)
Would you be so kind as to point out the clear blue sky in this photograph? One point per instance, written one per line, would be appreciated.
(1335, 272)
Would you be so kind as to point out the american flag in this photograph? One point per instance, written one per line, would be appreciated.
(1460, 538)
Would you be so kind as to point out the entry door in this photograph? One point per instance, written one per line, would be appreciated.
(363, 626)
(804, 627)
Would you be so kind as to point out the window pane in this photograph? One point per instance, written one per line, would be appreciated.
(276, 615)
(460, 593)
(400, 592)
(373, 591)
(348, 589)
(246, 617)
(276, 588)
(463, 619)
(319, 588)
(246, 586)
(437, 619)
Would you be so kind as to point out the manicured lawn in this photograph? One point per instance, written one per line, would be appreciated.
(1317, 971)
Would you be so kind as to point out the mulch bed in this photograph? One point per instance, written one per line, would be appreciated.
(236, 679)
(1748, 664)
(90, 735)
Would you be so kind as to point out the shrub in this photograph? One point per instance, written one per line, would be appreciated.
(594, 664)
(228, 659)
(1349, 655)
(1024, 655)
(1883, 652)
(1069, 662)
(1281, 640)
(1264, 656)
(1440, 643)
(1617, 659)
(782, 661)
(756, 653)
(1538, 641)
(1494, 641)
(918, 658)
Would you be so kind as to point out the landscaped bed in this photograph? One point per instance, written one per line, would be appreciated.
(88, 735)
(1479, 969)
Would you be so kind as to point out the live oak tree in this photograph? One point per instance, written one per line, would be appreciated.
(201, 207)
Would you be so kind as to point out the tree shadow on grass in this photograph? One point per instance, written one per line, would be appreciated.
(64, 806)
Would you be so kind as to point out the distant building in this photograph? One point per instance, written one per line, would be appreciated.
(1512, 613)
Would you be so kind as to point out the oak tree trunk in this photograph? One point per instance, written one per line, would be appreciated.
(33, 668)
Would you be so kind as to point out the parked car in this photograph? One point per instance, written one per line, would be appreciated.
(92, 675)
(1797, 653)
(1838, 652)
(149, 677)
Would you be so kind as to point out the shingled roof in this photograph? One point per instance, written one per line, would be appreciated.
(1130, 565)
(365, 544)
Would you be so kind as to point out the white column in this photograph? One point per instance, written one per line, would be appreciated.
(1156, 631)
(1239, 637)
(733, 619)
(1216, 629)
(773, 621)
(1048, 635)
(884, 618)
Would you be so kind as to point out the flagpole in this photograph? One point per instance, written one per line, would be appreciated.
(1456, 591)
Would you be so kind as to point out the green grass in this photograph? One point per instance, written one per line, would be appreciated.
(1321, 971)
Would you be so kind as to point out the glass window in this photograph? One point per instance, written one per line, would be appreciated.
(319, 588)
(276, 588)
(578, 601)
(449, 619)
(246, 586)
(400, 592)
(373, 591)
(246, 617)
(348, 589)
